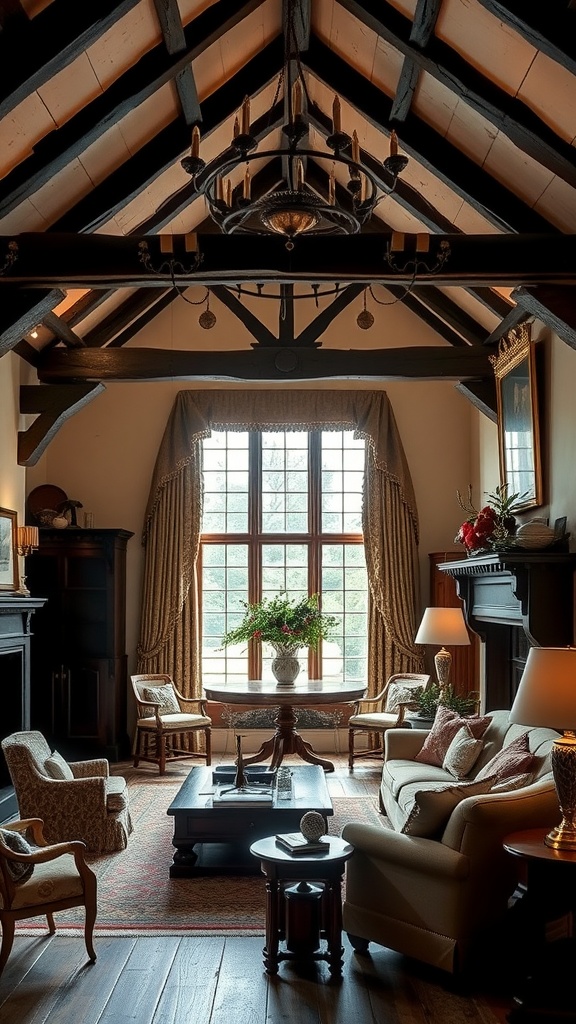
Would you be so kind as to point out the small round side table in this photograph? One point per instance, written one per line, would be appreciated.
(305, 917)
(546, 994)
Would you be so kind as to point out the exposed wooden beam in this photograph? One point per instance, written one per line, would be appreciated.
(138, 83)
(62, 330)
(509, 115)
(253, 325)
(548, 27)
(405, 90)
(55, 404)
(424, 21)
(101, 261)
(316, 328)
(482, 394)
(123, 316)
(555, 306)
(21, 311)
(50, 41)
(262, 363)
(145, 317)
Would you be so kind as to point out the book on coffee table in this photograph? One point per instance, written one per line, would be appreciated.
(295, 843)
(248, 796)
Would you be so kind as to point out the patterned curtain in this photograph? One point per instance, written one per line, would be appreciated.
(169, 621)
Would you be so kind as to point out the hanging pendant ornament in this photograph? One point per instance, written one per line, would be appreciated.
(365, 319)
(207, 318)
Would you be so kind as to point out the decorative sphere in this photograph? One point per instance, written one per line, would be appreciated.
(207, 319)
(312, 825)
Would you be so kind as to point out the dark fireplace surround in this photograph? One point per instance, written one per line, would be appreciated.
(15, 630)
(514, 601)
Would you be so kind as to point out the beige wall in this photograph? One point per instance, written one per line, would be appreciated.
(12, 476)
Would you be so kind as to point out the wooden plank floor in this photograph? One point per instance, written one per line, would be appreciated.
(220, 980)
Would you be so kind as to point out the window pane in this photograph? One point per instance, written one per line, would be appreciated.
(284, 482)
(345, 595)
(225, 475)
(342, 480)
(224, 587)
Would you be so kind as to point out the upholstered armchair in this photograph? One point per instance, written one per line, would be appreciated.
(164, 718)
(80, 800)
(385, 711)
(37, 878)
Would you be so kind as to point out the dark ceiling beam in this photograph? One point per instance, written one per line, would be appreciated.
(55, 404)
(424, 21)
(102, 261)
(168, 14)
(259, 364)
(168, 146)
(415, 303)
(262, 335)
(482, 394)
(467, 330)
(516, 316)
(50, 41)
(405, 90)
(62, 330)
(21, 311)
(555, 306)
(122, 317)
(316, 328)
(60, 147)
(509, 115)
(12, 15)
(479, 189)
(551, 28)
(145, 317)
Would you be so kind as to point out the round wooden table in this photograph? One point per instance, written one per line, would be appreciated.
(290, 913)
(286, 739)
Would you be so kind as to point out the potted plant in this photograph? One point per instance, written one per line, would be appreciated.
(286, 624)
(426, 700)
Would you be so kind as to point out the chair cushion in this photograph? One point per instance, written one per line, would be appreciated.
(446, 725)
(56, 879)
(462, 753)
(427, 806)
(514, 759)
(16, 842)
(164, 696)
(57, 768)
(176, 723)
(375, 720)
(116, 793)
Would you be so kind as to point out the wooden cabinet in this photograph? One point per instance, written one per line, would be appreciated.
(465, 670)
(78, 679)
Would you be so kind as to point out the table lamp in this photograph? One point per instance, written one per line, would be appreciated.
(27, 541)
(547, 697)
(444, 626)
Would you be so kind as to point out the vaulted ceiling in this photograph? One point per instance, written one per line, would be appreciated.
(98, 99)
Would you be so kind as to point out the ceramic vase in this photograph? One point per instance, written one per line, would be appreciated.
(285, 667)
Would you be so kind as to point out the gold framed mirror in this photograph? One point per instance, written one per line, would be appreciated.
(518, 417)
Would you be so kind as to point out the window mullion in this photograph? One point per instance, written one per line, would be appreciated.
(255, 546)
(314, 521)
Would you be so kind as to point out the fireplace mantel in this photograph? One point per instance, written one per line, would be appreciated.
(530, 590)
(533, 590)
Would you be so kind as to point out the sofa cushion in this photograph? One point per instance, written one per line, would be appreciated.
(513, 759)
(427, 806)
(16, 842)
(446, 725)
(512, 783)
(398, 773)
(462, 753)
(116, 793)
(57, 768)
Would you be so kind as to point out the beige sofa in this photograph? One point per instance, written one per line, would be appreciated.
(434, 898)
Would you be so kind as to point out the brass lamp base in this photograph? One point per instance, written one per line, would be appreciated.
(563, 836)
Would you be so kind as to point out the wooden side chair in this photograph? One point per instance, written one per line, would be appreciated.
(385, 711)
(164, 718)
(41, 879)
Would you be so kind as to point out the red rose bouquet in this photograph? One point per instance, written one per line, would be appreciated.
(491, 528)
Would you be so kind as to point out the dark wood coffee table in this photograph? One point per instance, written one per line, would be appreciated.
(216, 840)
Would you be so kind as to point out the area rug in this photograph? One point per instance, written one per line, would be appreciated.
(136, 894)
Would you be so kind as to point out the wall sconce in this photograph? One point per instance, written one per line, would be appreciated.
(27, 541)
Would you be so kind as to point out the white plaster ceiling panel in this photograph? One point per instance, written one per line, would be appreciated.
(515, 169)
(471, 133)
(550, 90)
(252, 34)
(558, 204)
(20, 131)
(322, 13)
(473, 222)
(143, 122)
(473, 306)
(59, 194)
(104, 155)
(24, 218)
(434, 103)
(386, 68)
(103, 310)
(352, 40)
(190, 9)
(125, 42)
(70, 89)
(489, 45)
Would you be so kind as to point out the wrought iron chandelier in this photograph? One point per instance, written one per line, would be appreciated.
(294, 208)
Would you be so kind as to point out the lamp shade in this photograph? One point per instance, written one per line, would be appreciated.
(547, 692)
(27, 536)
(443, 626)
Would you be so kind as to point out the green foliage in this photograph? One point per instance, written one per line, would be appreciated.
(428, 700)
(284, 623)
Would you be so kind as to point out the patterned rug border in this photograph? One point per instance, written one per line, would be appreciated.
(134, 884)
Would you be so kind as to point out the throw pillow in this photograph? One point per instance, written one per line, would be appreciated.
(446, 725)
(15, 841)
(513, 759)
(165, 697)
(56, 767)
(514, 782)
(399, 693)
(432, 807)
(462, 753)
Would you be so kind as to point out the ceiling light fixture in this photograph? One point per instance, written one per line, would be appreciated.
(295, 208)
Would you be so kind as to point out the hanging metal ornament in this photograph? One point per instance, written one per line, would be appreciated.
(207, 318)
(365, 320)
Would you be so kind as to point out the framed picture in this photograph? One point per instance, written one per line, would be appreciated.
(518, 422)
(8, 559)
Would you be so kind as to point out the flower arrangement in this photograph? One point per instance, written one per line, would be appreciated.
(284, 623)
(492, 528)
